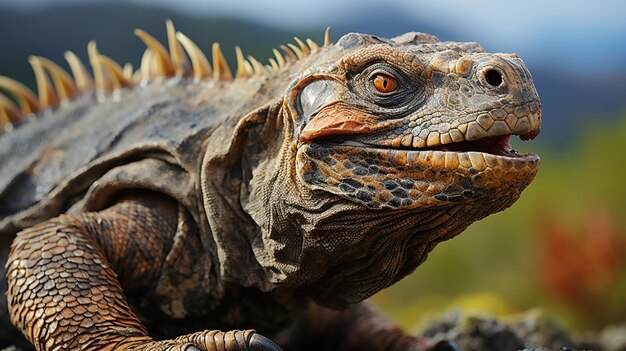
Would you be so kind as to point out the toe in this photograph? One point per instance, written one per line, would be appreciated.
(258, 342)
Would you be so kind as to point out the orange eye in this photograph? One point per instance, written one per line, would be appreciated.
(385, 83)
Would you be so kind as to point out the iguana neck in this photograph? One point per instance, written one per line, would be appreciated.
(235, 154)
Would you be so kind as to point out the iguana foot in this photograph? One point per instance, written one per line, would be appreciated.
(213, 340)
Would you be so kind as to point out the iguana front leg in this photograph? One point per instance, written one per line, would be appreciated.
(64, 280)
(360, 327)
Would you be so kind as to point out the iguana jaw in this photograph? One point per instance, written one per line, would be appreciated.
(465, 148)
(399, 178)
(380, 175)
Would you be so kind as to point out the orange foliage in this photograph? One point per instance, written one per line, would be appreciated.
(579, 267)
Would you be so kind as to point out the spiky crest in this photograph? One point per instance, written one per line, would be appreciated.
(55, 85)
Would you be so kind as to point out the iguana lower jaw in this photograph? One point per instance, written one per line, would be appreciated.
(394, 178)
(388, 178)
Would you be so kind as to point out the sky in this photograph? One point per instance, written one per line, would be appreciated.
(488, 17)
(566, 33)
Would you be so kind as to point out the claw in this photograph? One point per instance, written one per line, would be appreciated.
(258, 342)
(446, 345)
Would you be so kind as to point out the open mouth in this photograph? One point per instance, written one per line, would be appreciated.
(494, 145)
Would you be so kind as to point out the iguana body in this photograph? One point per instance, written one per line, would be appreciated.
(257, 203)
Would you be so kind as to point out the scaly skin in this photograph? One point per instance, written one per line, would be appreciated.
(277, 203)
(63, 289)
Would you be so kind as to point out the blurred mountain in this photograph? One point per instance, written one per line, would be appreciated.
(49, 31)
(568, 98)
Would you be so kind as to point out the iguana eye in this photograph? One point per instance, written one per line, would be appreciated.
(384, 83)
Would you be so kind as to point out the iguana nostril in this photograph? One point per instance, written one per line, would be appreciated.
(493, 77)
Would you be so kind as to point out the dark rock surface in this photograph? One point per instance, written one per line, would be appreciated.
(531, 331)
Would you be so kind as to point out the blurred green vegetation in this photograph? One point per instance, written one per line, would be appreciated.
(497, 265)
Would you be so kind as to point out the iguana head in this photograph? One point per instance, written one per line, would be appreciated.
(403, 143)
(413, 123)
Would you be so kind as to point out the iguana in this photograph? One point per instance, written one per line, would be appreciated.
(174, 201)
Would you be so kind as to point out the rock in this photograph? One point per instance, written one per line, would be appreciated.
(531, 331)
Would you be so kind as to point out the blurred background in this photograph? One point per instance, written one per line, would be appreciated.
(561, 248)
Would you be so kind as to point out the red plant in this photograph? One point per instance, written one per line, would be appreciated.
(580, 267)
